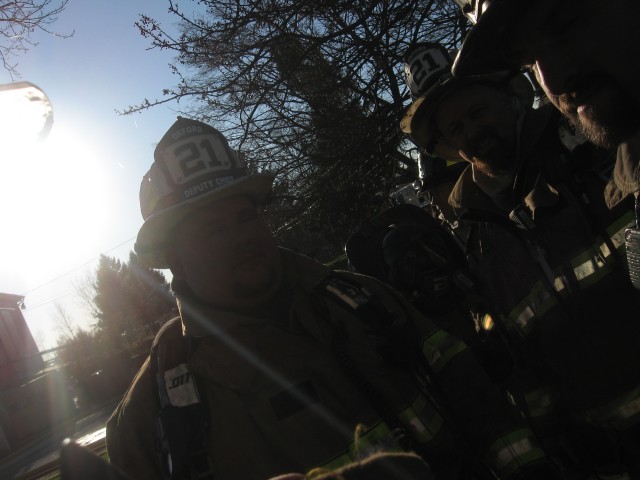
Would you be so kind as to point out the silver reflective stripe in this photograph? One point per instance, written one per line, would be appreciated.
(590, 262)
(422, 419)
(417, 426)
(617, 238)
(613, 476)
(541, 402)
(541, 301)
(440, 348)
(513, 452)
(617, 413)
(596, 263)
(626, 411)
(526, 315)
(558, 284)
(586, 269)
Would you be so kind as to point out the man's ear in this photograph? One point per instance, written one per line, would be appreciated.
(175, 262)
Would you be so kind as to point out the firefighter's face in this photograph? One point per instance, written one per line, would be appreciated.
(584, 54)
(226, 253)
(480, 122)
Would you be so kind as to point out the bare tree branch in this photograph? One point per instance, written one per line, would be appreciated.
(18, 20)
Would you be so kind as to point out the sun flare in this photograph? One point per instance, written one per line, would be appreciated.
(54, 200)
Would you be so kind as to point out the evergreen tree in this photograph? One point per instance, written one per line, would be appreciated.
(130, 301)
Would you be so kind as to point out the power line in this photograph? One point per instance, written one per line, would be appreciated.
(76, 268)
(47, 302)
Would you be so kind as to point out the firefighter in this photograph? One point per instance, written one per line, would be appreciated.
(549, 255)
(275, 360)
(583, 55)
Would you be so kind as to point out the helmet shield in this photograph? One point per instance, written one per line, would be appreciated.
(193, 166)
(424, 65)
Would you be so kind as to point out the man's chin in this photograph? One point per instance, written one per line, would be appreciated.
(603, 132)
(606, 119)
(260, 281)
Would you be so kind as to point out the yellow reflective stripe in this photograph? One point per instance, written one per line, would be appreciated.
(514, 451)
(372, 440)
(536, 303)
(422, 419)
(487, 322)
(440, 348)
(620, 413)
(589, 267)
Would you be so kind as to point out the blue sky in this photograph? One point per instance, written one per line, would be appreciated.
(77, 196)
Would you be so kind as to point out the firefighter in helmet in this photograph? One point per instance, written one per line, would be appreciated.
(546, 251)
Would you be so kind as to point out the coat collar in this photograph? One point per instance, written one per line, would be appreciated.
(301, 273)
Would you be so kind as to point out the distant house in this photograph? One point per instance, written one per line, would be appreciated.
(19, 355)
(20, 360)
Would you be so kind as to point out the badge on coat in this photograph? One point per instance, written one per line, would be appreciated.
(181, 386)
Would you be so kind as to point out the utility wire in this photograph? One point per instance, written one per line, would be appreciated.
(74, 269)
(47, 302)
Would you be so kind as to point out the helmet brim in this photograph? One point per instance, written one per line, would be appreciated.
(484, 48)
(152, 238)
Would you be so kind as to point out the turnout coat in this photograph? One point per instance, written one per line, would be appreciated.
(324, 377)
(550, 259)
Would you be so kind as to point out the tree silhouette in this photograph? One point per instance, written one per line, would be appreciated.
(311, 90)
(129, 301)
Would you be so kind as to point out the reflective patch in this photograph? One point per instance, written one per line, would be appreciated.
(615, 476)
(181, 387)
(422, 419)
(514, 451)
(616, 230)
(589, 267)
(440, 348)
(541, 402)
(524, 317)
(487, 322)
(535, 304)
(619, 414)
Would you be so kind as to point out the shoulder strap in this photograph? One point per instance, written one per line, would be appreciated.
(182, 425)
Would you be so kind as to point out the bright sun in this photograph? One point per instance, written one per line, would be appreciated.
(53, 203)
